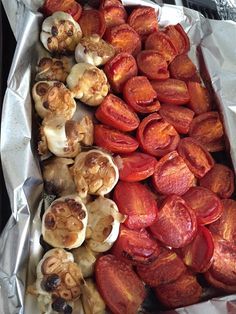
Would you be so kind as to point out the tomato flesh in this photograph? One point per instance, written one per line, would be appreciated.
(69, 6)
(178, 37)
(182, 68)
(200, 101)
(92, 22)
(114, 15)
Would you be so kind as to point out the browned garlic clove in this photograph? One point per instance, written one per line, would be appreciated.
(53, 98)
(88, 83)
(60, 33)
(91, 299)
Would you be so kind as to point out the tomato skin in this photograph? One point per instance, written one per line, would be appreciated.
(69, 6)
(218, 284)
(114, 140)
(171, 91)
(119, 69)
(136, 167)
(206, 205)
(220, 180)
(200, 101)
(176, 224)
(135, 247)
(197, 158)
(198, 254)
(156, 136)
(114, 112)
(160, 42)
(136, 201)
(114, 15)
(92, 22)
(144, 21)
(166, 268)
(139, 95)
(182, 68)
(124, 39)
(178, 37)
(119, 286)
(109, 3)
(182, 292)
(153, 65)
(180, 117)
(180, 178)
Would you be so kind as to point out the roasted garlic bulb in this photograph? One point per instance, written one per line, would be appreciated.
(64, 222)
(53, 98)
(103, 224)
(94, 50)
(60, 33)
(94, 172)
(91, 299)
(88, 83)
(59, 281)
(64, 137)
(86, 259)
(52, 69)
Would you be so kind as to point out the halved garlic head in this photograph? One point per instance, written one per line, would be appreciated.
(91, 299)
(53, 98)
(60, 33)
(95, 173)
(103, 224)
(57, 177)
(94, 50)
(52, 69)
(64, 222)
(58, 277)
(88, 83)
(86, 260)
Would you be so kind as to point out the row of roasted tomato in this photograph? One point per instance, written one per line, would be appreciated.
(180, 221)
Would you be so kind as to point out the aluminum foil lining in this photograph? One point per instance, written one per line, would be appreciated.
(19, 242)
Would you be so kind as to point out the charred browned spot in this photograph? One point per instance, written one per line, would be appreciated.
(58, 84)
(71, 129)
(49, 40)
(106, 231)
(54, 31)
(50, 221)
(70, 32)
(42, 88)
(58, 63)
(44, 61)
(46, 104)
(91, 159)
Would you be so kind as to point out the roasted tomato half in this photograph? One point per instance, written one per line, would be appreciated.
(135, 247)
(226, 226)
(197, 158)
(172, 175)
(124, 39)
(182, 68)
(119, 69)
(182, 292)
(153, 65)
(69, 6)
(171, 91)
(178, 116)
(113, 111)
(176, 225)
(200, 101)
(114, 15)
(220, 180)
(137, 202)
(114, 140)
(136, 166)
(156, 136)
(163, 45)
(109, 3)
(219, 284)
(119, 286)
(206, 205)
(208, 129)
(92, 22)
(198, 254)
(140, 95)
(178, 37)
(166, 268)
(144, 21)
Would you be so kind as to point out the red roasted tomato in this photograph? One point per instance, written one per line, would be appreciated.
(156, 136)
(114, 15)
(140, 95)
(206, 205)
(171, 91)
(153, 65)
(135, 247)
(219, 284)
(197, 158)
(137, 202)
(166, 268)
(198, 254)
(109, 3)
(172, 176)
(182, 68)
(220, 180)
(69, 6)
(113, 111)
(176, 225)
(178, 116)
(119, 69)
(114, 140)
(136, 166)
(208, 129)
(92, 22)
(119, 286)
(200, 101)
(178, 37)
